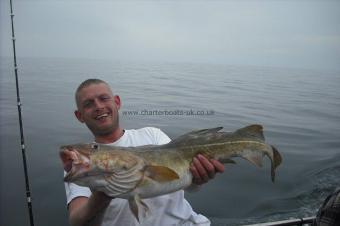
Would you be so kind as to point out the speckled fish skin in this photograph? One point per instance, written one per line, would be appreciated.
(141, 172)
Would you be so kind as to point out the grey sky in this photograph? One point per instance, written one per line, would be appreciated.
(291, 33)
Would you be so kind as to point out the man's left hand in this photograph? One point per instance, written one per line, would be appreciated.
(203, 169)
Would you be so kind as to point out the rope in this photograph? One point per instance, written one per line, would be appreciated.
(28, 193)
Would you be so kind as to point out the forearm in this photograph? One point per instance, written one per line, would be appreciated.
(88, 211)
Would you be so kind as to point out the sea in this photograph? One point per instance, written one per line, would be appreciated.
(298, 108)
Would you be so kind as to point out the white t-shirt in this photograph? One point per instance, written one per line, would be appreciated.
(169, 209)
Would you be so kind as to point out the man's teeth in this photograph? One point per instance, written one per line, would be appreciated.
(102, 116)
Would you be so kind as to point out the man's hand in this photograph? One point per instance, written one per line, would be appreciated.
(85, 211)
(203, 169)
(67, 157)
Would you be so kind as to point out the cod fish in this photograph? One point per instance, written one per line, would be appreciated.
(135, 173)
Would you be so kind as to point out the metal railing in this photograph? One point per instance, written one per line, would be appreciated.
(290, 222)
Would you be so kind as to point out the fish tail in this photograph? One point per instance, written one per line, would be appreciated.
(276, 161)
(255, 132)
(256, 158)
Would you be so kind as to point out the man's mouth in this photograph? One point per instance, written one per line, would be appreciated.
(99, 117)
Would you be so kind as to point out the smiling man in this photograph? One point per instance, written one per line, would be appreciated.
(98, 108)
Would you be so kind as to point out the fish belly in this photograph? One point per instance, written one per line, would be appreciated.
(149, 188)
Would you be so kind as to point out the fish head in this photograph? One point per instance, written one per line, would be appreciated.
(76, 161)
(92, 165)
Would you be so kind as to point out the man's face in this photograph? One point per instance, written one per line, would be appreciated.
(98, 109)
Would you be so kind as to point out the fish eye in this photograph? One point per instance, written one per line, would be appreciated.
(95, 146)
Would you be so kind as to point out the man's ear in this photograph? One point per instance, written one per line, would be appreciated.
(78, 116)
(116, 99)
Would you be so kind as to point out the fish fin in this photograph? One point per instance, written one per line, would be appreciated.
(193, 188)
(193, 136)
(138, 208)
(277, 159)
(255, 158)
(251, 131)
(205, 131)
(161, 173)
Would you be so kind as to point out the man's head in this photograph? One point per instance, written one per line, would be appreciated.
(97, 107)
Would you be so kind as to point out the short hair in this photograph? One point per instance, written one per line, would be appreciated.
(87, 83)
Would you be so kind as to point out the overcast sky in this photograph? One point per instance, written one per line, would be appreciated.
(287, 33)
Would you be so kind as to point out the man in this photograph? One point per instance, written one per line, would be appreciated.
(97, 107)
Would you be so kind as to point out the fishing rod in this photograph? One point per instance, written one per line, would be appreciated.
(23, 151)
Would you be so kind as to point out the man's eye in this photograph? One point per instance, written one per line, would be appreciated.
(105, 97)
(87, 104)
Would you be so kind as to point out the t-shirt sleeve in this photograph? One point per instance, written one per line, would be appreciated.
(161, 137)
(74, 191)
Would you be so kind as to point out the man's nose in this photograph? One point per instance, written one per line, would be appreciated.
(98, 104)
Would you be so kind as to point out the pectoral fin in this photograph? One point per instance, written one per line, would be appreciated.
(138, 208)
(161, 173)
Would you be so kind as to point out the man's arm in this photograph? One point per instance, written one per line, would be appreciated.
(88, 211)
(84, 210)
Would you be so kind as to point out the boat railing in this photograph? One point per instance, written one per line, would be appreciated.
(290, 222)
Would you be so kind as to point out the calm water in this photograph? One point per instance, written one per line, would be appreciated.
(299, 109)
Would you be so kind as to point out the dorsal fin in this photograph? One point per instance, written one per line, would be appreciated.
(255, 131)
(204, 131)
(194, 136)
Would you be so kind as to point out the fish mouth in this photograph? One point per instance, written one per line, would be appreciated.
(70, 176)
(78, 171)
(73, 176)
(76, 164)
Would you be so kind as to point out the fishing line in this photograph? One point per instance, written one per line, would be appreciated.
(23, 151)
